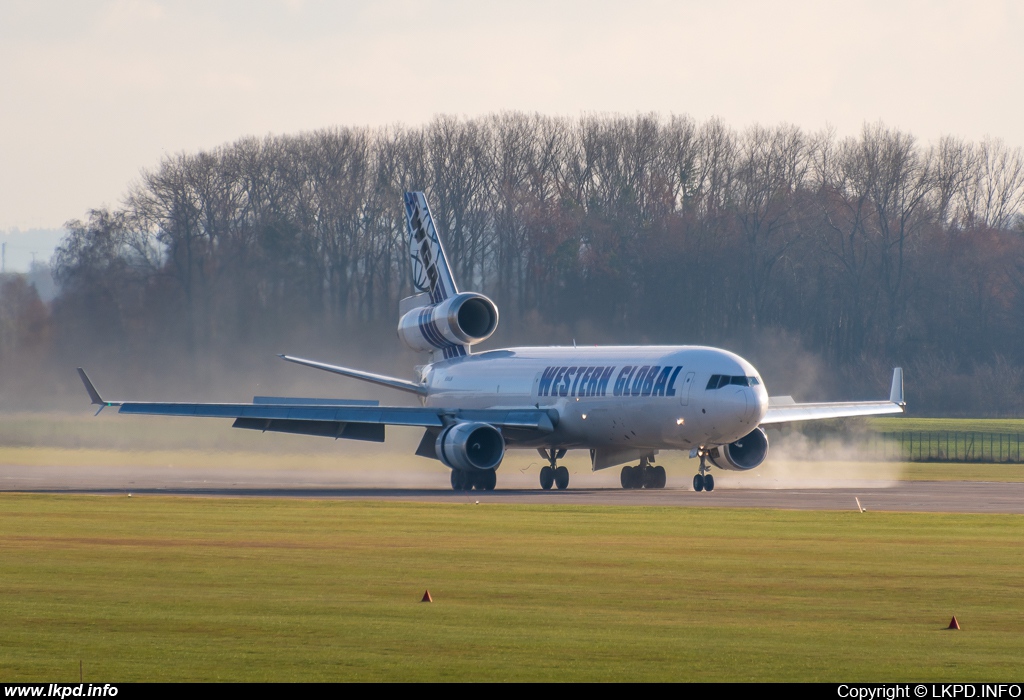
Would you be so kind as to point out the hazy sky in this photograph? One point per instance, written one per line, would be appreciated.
(93, 92)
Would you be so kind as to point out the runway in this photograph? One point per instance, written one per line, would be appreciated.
(906, 496)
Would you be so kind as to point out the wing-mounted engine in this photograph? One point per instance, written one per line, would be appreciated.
(458, 322)
(746, 453)
(470, 446)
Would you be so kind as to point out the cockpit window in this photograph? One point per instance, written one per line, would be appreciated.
(717, 381)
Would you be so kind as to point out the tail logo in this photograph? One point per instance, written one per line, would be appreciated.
(424, 269)
(430, 271)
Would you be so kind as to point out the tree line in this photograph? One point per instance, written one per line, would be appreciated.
(864, 251)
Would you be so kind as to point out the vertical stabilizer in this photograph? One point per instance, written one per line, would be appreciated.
(430, 271)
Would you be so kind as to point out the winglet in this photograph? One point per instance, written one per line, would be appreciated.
(97, 400)
(896, 392)
(94, 395)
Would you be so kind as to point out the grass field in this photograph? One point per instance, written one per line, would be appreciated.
(246, 589)
(944, 471)
(976, 425)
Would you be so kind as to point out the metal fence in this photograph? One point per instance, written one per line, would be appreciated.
(946, 446)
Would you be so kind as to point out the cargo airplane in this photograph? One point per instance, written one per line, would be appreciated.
(623, 404)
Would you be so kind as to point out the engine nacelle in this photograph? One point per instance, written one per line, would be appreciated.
(470, 446)
(464, 319)
(746, 453)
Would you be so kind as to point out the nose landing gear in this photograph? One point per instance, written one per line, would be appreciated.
(553, 475)
(702, 481)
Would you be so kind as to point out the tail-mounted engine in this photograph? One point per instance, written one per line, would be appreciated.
(470, 446)
(746, 453)
(464, 319)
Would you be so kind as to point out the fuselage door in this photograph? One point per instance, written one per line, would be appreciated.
(684, 392)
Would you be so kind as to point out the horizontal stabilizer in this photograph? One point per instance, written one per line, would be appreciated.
(416, 301)
(381, 379)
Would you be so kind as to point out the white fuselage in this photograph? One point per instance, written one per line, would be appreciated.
(614, 397)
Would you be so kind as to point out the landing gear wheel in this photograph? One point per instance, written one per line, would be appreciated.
(698, 482)
(660, 478)
(626, 477)
(486, 481)
(647, 477)
(709, 483)
(459, 479)
(562, 478)
(547, 478)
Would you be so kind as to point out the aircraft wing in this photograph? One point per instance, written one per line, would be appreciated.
(784, 410)
(356, 420)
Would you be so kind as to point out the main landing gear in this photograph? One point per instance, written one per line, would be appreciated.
(480, 479)
(702, 481)
(643, 476)
(553, 475)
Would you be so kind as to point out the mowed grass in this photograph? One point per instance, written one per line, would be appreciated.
(963, 425)
(246, 589)
(953, 471)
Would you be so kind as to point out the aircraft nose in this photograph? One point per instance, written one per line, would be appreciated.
(759, 401)
(749, 405)
(736, 404)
